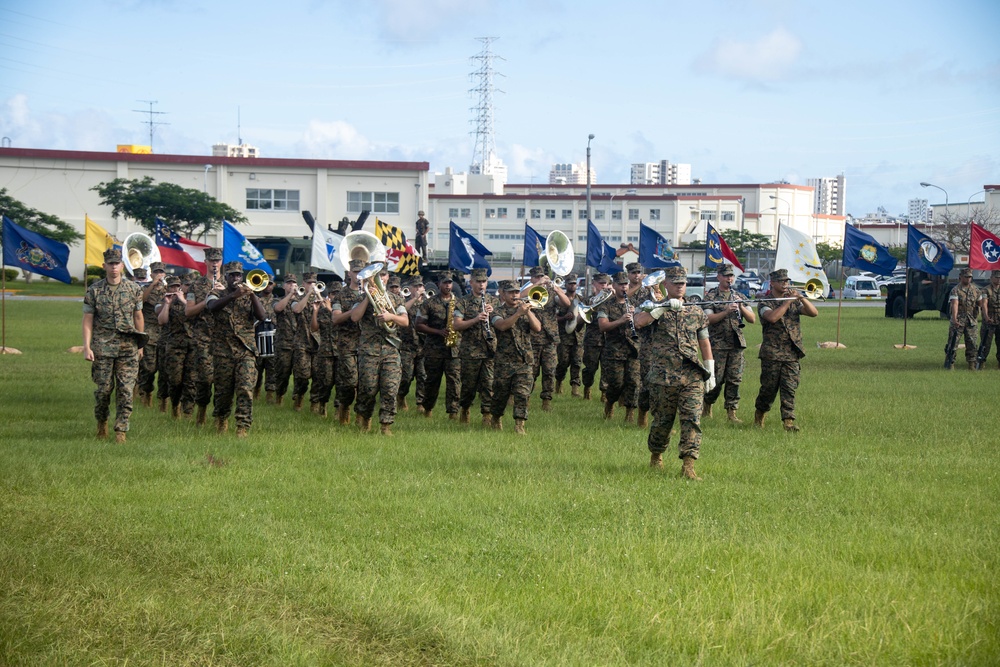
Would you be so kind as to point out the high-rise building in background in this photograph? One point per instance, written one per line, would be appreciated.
(828, 198)
(571, 174)
(663, 172)
(918, 211)
(231, 150)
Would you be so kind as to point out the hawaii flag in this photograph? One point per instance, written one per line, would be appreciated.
(399, 254)
(797, 254)
(984, 253)
(179, 251)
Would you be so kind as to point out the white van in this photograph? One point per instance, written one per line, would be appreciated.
(861, 287)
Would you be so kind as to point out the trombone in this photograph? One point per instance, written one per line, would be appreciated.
(537, 296)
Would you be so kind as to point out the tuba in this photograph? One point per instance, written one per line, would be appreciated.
(361, 245)
(139, 252)
(558, 257)
(371, 283)
(257, 280)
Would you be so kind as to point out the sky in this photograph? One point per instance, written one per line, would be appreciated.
(889, 92)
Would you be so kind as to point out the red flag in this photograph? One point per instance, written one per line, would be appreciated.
(179, 251)
(728, 254)
(984, 252)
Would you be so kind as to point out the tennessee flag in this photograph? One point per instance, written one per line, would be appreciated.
(984, 252)
(399, 254)
(97, 241)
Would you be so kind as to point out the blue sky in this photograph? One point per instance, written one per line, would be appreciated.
(889, 92)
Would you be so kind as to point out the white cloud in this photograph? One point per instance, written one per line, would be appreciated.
(86, 129)
(765, 60)
(334, 138)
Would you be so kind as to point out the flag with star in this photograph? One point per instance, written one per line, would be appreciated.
(400, 256)
(797, 254)
(984, 252)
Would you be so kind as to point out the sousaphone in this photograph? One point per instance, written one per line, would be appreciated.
(138, 252)
(361, 245)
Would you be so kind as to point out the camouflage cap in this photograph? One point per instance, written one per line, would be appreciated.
(290, 278)
(334, 286)
(479, 274)
(675, 274)
(412, 281)
(602, 278)
(632, 267)
(174, 280)
(507, 286)
(158, 266)
(621, 278)
(570, 278)
(726, 270)
(445, 277)
(356, 265)
(308, 277)
(780, 276)
(139, 274)
(536, 272)
(232, 267)
(965, 273)
(393, 281)
(213, 254)
(994, 274)
(189, 277)
(112, 255)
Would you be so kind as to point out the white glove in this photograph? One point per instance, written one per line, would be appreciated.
(657, 313)
(710, 382)
(675, 304)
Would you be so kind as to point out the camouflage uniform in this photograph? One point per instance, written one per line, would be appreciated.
(286, 330)
(728, 344)
(477, 353)
(780, 352)
(544, 347)
(378, 365)
(620, 358)
(115, 344)
(178, 357)
(439, 359)
(991, 329)
(409, 352)
(348, 337)
(201, 337)
(303, 348)
(968, 297)
(324, 369)
(265, 365)
(676, 379)
(570, 351)
(645, 334)
(593, 346)
(512, 371)
(235, 358)
(149, 363)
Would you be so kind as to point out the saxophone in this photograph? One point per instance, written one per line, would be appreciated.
(451, 336)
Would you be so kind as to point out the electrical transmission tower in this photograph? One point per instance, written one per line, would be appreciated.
(484, 155)
(152, 123)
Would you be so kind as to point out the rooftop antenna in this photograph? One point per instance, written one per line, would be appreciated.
(239, 128)
(152, 123)
(484, 153)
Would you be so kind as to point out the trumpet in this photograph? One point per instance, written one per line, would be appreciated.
(405, 292)
(537, 296)
(257, 280)
(559, 282)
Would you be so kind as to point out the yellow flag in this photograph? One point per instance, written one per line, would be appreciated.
(98, 240)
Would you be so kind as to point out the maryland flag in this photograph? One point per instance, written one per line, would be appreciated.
(399, 254)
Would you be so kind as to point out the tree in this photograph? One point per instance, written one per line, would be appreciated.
(191, 213)
(741, 240)
(41, 223)
(953, 227)
(829, 252)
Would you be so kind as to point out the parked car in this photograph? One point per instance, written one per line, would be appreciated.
(748, 287)
(696, 286)
(861, 287)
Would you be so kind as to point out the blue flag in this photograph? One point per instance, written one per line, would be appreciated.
(609, 264)
(600, 255)
(925, 254)
(236, 248)
(861, 251)
(655, 252)
(466, 253)
(33, 252)
(534, 244)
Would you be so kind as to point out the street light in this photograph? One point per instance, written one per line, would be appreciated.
(785, 202)
(590, 138)
(968, 208)
(208, 168)
(931, 185)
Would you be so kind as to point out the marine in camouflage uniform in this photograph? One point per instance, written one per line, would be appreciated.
(545, 343)
(677, 379)
(178, 357)
(378, 357)
(324, 366)
(265, 365)
(781, 349)
(513, 323)
(593, 340)
(234, 347)
(286, 325)
(201, 329)
(725, 328)
(478, 346)
(410, 348)
(570, 351)
(348, 337)
(306, 342)
(439, 358)
(964, 303)
(152, 295)
(112, 340)
(991, 320)
(637, 294)
(620, 359)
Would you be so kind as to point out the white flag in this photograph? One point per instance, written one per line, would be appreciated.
(797, 254)
(324, 251)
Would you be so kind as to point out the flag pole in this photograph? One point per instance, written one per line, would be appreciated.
(840, 302)
(3, 308)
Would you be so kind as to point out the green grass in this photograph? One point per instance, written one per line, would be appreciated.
(869, 538)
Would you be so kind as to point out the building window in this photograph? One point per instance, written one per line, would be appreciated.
(466, 213)
(708, 215)
(550, 214)
(583, 214)
(491, 213)
(536, 214)
(374, 202)
(616, 215)
(567, 214)
(598, 215)
(633, 239)
(654, 214)
(614, 239)
(728, 216)
(452, 212)
(520, 213)
(505, 237)
(633, 214)
(502, 213)
(272, 200)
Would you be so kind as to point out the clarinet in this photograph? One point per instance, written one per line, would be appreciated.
(487, 329)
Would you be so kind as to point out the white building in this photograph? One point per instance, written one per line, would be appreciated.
(231, 150)
(663, 172)
(829, 198)
(917, 210)
(571, 174)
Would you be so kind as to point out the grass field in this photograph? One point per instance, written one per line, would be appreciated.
(871, 537)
